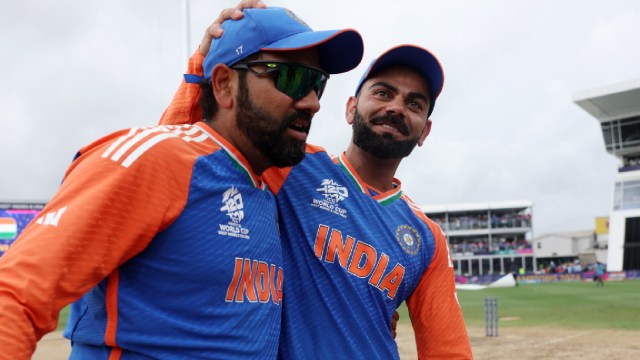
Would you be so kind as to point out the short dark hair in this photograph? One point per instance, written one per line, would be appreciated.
(207, 100)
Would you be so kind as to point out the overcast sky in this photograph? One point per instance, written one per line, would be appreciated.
(505, 127)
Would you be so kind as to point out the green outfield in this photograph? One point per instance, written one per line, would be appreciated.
(561, 304)
(62, 320)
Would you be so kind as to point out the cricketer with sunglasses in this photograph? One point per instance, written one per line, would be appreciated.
(354, 245)
(165, 238)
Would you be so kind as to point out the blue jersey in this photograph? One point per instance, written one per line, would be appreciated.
(352, 255)
(169, 241)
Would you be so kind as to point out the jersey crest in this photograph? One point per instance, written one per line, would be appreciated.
(409, 239)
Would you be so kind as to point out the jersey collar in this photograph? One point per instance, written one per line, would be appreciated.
(236, 156)
(383, 198)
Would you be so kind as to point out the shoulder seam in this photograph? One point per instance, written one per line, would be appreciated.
(130, 147)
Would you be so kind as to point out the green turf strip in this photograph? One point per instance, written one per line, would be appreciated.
(616, 305)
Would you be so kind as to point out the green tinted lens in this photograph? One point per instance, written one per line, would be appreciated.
(297, 81)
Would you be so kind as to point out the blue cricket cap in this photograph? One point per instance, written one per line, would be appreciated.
(279, 29)
(415, 57)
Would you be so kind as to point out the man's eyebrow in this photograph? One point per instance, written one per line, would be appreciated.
(384, 84)
(412, 95)
(417, 95)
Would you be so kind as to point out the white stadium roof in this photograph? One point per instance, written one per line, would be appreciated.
(498, 205)
(611, 102)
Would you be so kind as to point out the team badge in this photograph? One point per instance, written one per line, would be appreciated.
(409, 239)
(233, 207)
(332, 194)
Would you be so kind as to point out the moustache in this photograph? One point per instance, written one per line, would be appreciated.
(393, 120)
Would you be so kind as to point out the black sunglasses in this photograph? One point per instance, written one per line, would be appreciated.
(295, 80)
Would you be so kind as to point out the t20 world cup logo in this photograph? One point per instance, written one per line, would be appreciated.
(232, 200)
(332, 191)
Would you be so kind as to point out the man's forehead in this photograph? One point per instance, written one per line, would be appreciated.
(399, 75)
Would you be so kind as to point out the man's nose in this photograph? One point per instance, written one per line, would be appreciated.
(309, 103)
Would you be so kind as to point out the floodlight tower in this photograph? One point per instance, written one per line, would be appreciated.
(617, 108)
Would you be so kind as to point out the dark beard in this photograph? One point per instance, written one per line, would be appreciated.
(381, 146)
(267, 133)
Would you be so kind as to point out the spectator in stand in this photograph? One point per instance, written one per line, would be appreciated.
(577, 267)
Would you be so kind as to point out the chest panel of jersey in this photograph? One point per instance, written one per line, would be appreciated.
(208, 285)
(350, 260)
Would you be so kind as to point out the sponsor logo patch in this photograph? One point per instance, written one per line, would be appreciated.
(51, 218)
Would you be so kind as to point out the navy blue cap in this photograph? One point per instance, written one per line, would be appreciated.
(279, 29)
(415, 57)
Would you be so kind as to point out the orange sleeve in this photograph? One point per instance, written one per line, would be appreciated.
(275, 177)
(184, 108)
(103, 214)
(434, 309)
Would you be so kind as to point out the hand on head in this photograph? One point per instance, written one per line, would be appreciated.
(215, 30)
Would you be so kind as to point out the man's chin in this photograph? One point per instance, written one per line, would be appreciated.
(387, 150)
(291, 156)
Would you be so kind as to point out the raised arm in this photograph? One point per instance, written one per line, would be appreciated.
(184, 108)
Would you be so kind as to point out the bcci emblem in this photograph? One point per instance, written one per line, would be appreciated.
(408, 238)
(232, 200)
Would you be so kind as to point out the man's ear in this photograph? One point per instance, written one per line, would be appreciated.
(224, 83)
(350, 112)
(425, 132)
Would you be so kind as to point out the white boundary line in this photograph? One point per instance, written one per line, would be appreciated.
(553, 341)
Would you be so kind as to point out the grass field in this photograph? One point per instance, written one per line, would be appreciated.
(577, 305)
(62, 319)
(549, 321)
(563, 304)
(537, 321)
